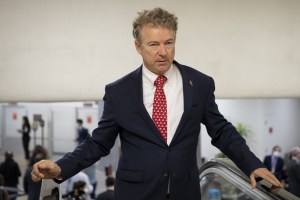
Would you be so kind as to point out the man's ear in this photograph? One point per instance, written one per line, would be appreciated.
(138, 46)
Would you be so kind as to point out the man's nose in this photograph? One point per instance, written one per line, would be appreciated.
(162, 50)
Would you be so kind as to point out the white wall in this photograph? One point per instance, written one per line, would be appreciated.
(68, 50)
(283, 115)
(259, 115)
(59, 130)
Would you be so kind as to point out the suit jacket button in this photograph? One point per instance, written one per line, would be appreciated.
(166, 173)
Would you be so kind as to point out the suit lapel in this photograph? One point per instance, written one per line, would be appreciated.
(188, 85)
(137, 94)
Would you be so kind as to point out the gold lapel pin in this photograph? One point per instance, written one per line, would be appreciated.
(191, 83)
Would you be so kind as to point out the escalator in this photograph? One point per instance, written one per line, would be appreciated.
(220, 179)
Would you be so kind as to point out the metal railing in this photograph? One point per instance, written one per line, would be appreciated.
(226, 172)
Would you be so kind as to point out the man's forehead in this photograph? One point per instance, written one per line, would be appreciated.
(156, 31)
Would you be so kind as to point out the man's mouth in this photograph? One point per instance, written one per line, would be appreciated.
(162, 61)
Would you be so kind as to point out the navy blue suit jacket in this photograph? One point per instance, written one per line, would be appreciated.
(147, 162)
(279, 172)
(83, 133)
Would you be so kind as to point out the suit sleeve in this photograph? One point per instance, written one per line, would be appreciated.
(226, 138)
(95, 147)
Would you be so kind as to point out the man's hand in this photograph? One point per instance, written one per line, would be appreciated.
(266, 175)
(45, 169)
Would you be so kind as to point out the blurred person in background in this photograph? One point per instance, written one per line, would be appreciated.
(293, 171)
(78, 192)
(109, 193)
(25, 136)
(10, 171)
(275, 163)
(3, 192)
(82, 132)
(38, 149)
(91, 173)
(31, 188)
(81, 176)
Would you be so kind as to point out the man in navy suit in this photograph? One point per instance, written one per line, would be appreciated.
(275, 163)
(154, 166)
(82, 133)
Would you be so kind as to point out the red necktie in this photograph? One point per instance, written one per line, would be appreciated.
(159, 114)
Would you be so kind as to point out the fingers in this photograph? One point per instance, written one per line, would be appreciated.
(35, 173)
(35, 176)
(45, 169)
(38, 171)
(272, 179)
(266, 175)
(253, 181)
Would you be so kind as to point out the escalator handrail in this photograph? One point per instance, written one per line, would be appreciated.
(226, 163)
(262, 185)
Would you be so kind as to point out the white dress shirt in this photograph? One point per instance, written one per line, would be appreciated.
(174, 94)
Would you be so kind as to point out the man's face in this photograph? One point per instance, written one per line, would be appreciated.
(157, 48)
(278, 149)
(298, 155)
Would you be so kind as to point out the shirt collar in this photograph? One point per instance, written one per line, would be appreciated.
(150, 77)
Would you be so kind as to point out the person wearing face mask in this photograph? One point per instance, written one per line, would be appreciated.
(275, 163)
(81, 176)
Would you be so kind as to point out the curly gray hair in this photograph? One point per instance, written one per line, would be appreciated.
(157, 17)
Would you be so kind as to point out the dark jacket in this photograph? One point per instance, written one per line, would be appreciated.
(31, 188)
(148, 163)
(293, 170)
(83, 133)
(279, 167)
(107, 195)
(11, 172)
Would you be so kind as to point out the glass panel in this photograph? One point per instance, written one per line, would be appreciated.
(215, 187)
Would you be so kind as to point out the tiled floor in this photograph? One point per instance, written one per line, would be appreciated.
(22, 164)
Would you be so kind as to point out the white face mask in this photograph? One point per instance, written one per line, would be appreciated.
(276, 153)
(86, 190)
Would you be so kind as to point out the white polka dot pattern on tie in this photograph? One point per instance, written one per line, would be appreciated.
(159, 114)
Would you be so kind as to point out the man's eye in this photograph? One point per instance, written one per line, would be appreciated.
(169, 44)
(153, 45)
